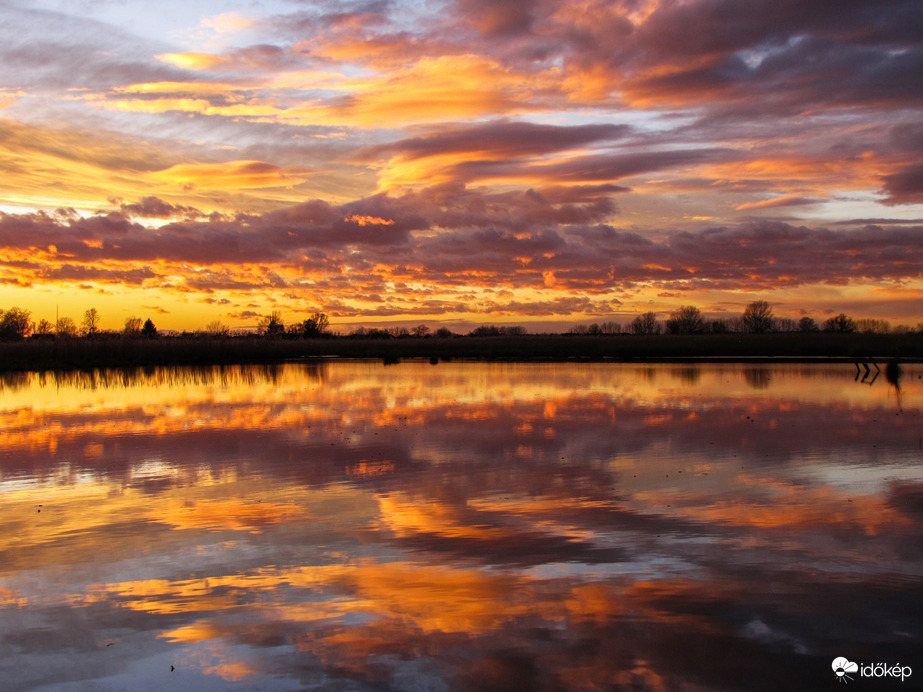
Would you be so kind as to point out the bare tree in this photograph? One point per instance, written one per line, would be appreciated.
(718, 326)
(44, 328)
(807, 324)
(757, 317)
(842, 323)
(15, 324)
(873, 326)
(687, 320)
(315, 325)
(65, 327)
(90, 324)
(646, 324)
(272, 325)
(420, 330)
(215, 328)
(132, 326)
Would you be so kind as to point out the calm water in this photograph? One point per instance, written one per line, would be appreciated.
(355, 526)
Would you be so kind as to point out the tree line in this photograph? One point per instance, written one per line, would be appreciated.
(757, 318)
(17, 324)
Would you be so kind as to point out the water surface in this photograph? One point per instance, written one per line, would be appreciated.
(463, 526)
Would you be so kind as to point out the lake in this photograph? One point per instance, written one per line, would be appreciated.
(350, 525)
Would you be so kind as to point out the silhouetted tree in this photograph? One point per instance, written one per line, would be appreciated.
(757, 317)
(44, 328)
(807, 324)
(90, 324)
(15, 324)
(687, 320)
(149, 331)
(315, 325)
(65, 327)
(717, 326)
(272, 325)
(873, 326)
(420, 330)
(444, 333)
(132, 327)
(215, 328)
(646, 324)
(842, 323)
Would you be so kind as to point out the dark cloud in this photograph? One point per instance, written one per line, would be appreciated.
(905, 186)
(448, 234)
(500, 138)
(497, 19)
(593, 168)
(156, 208)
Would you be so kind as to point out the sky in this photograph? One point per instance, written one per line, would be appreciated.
(460, 162)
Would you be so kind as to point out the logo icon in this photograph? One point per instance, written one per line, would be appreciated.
(842, 666)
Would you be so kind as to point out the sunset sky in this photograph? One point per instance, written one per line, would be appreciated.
(460, 162)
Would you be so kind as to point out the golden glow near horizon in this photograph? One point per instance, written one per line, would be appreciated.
(542, 166)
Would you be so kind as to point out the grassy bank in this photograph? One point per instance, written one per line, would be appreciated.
(73, 354)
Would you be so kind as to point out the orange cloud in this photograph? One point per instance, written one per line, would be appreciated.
(431, 90)
(231, 175)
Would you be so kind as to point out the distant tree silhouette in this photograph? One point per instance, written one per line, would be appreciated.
(687, 320)
(132, 327)
(44, 328)
(315, 325)
(420, 330)
(807, 324)
(149, 331)
(757, 317)
(718, 326)
(873, 326)
(90, 324)
(842, 323)
(215, 328)
(444, 333)
(646, 324)
(65, 327)
(492, 330)
(272, 325)
(15, 324)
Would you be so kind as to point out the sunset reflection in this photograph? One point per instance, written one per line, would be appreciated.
(461, 527)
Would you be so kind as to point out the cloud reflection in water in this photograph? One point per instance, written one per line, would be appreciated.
(460, 527)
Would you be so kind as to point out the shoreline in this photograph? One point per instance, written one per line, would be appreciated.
(90, 354)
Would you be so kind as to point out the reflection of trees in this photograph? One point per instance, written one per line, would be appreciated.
(689, 374)
(14, 380)
(175, 376)
(758, 378)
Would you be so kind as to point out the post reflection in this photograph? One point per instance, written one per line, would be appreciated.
(468, 526)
